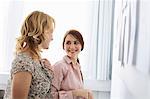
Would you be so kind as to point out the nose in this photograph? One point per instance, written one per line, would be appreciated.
(51, 38)
(72, 46)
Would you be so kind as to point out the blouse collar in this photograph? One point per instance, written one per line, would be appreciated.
(68, 61)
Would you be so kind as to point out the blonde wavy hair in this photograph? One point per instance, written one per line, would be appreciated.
(32, 33)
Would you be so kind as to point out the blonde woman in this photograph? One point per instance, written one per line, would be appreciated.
(30, 79)
(68, 79)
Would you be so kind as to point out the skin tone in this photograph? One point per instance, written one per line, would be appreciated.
(73, 47)
(48, 38)
(20, 88)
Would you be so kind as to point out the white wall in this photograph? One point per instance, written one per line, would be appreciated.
(143, 52)
(133, 82)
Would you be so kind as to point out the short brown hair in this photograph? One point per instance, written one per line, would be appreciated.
(75, 34)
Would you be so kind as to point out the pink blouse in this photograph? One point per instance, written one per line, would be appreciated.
(66, 78)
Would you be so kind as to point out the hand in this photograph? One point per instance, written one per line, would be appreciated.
(47, 64)
(90, 95)
(85, 93)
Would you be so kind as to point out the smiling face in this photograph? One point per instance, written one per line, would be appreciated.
(72, 46)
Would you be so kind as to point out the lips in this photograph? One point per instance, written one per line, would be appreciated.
(72, 51)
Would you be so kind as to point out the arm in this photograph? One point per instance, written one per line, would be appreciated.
(21, 85)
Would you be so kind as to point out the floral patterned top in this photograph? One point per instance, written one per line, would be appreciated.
(41, 77)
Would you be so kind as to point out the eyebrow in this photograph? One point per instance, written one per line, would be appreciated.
(73, 41)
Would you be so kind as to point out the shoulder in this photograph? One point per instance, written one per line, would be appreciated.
(61, 66)
(22, 58)
(22, 62)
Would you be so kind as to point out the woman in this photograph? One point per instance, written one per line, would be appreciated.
(68, 79)
(30, 79)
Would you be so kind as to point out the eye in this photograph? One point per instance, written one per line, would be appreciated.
(76, 42)
(68, 42)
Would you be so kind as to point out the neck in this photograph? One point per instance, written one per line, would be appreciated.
(29, 52)
(74, 60)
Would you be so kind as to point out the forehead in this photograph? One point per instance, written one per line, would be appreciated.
(70, 38)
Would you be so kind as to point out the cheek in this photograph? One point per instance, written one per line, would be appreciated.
(66, 48)
(80, 47)
(48, 39)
